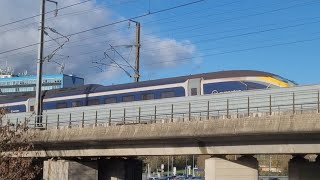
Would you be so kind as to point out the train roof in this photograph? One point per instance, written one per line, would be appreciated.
(180, 79)
(91, 88)
(85, 89)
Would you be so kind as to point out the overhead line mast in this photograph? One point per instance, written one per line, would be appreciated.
(38, 104)
(40, 59)
(137, 60)
(136, 67)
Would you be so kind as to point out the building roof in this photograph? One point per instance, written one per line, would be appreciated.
(48, 76)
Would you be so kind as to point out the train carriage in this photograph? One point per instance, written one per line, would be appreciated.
(192, 85)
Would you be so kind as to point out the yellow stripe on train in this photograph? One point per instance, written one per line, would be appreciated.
(275, 81)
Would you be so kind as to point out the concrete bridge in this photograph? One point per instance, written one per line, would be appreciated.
(278, 134)
(295, 134)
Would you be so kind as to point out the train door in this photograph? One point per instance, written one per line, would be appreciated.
(194, 87)
(30, 104)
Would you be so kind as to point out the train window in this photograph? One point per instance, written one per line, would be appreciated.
(76, 104)
(194, 91)
(93, 102)
(62, 105)
(110, 100)
(127, 98)
(167, 94)
(31, 108)
(147, 96)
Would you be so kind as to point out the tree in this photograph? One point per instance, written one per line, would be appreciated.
(13, 143)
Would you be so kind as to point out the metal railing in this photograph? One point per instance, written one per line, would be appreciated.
(216, 106)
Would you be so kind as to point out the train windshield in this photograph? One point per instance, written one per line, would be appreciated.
(291, 83)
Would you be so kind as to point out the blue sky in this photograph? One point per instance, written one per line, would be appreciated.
(281, 37)
(225, 30)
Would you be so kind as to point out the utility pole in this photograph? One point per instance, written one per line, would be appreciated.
(186, 168)
(40, 59)
(137, 61)
(38, 103)
(192, 165)
(172, 165)
(168, 173)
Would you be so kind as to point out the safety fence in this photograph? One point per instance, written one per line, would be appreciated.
(208, 107)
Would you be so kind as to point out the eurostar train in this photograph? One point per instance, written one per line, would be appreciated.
(192, 85)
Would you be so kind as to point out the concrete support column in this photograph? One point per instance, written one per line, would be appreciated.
(120, 169)
(245, 168)
(70, 170)
(302, 169)
(249, 161)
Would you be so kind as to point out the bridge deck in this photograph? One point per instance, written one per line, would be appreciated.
(278, 134)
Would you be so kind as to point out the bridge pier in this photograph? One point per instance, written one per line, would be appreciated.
(105, 169)
(217, 168)
(302, 169)
(70, 170)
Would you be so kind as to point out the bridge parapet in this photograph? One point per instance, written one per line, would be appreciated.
(257, 103)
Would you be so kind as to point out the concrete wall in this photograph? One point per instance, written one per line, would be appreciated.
(70, 170)
(55, 170)
(105, 169)
(222, 169)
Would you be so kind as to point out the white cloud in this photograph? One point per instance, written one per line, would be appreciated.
(156, 52)
(166, 52)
